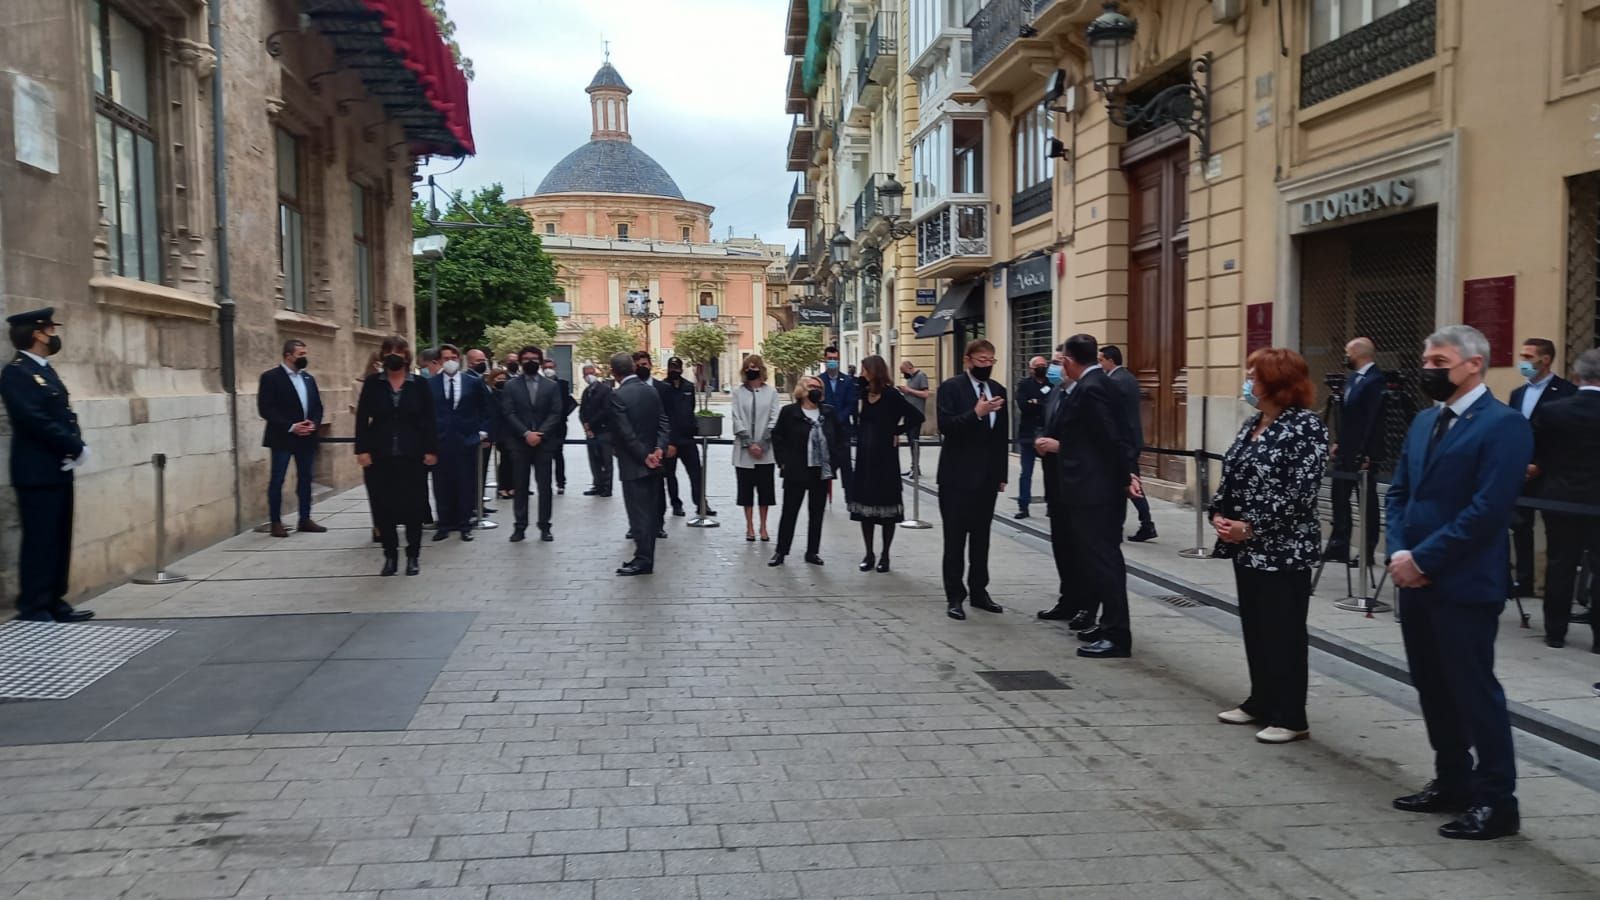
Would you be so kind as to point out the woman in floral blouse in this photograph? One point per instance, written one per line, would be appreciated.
(1265, 515)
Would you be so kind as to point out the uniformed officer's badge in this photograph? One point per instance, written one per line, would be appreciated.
(39, 380)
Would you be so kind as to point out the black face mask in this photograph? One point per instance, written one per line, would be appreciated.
(394, 362)
(53, 344)
(531, 368)
(642, 371)
(1349, 363)
(752, 374)
(675, 374)
(481, 368)
(301, 362)
(982, 373)
(1040, 372)
(1436, 384)
(814, 395)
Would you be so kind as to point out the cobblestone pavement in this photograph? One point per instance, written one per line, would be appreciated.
(726, 730)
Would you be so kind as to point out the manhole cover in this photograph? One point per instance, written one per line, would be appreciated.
(50, 661)
(1025, 680)
(1179, 601)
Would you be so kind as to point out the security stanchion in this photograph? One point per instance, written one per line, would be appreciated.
(1366, 601)
(159, 574)
(1202, 500)
(703, 519)
(483, 520)
(488, 479)
(915, 523)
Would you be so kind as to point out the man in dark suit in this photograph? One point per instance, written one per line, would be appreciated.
(46, 447)
(530, 407)
(642, 363)
(1457, 480)
(839, 392)
(1566, 457)
(461, 404)
(639, 437)
(1129, 393)
(558, 441)
(1359, 447)
(1543, 386)
(1095, 477)
(289, 402)
(677, 397)
(593, 412)
(973, 465)
(1032, 394)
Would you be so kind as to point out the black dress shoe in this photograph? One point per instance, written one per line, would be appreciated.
(1145, 533)
(1057, 614)
(814, 559)
(985, 604)
(592, 492)
(412, 564)
(70, 615)
(467, 536)
(710, 512)
(441, 534)
(1020, 514)
(1082, 620)
(678, 511)
(391, 564)
(562, 489)
(1484, 823)
(629, 535)
(632, 569)
(519, 534)
(955, 611)
(776, 560)
(867, 562)
(35, 617)
(1104, 649)
(1091, 635)
(1434, 798)
(1580, 618)
(603, 494)
(883, 563)
(1554, 643)
(661, 535)
(546, 536)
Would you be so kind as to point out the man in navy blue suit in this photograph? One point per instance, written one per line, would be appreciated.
(288, 401)
(1537, 364)
(1359, 445)
(1455, 486)
(839, 392)
(461, 404)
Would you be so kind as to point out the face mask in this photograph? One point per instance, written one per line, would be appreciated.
(643, 371)
(1527, 369)
(814, 395)
(54, 344)
(1248, 393)
(1055, 374)
(833, 365)
(1041, 371)
(301, 363)
(452, 366)
(550, 373)
(1436, 384)
(394, 362)
(1349, 363)
(482, 368)
(752, 374)
(591, 379)
(982, 373)
(530, 368)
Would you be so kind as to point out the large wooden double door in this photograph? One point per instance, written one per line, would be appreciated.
(1157, 169)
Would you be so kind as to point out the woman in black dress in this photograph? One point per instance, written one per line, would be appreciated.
(397, 439)
(876, 497)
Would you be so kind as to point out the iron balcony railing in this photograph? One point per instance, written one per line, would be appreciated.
(998, 24)
(877, 54)
(869, 202)
(1383, 47)
(1032, 202)
(802, 204)
(959, 229)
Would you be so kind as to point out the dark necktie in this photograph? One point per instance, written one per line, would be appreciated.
(450, 391)
(1440, 426)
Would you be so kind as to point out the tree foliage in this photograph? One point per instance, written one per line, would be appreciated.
(699, 344)
(794, 351)
(489, 276)
(597, 344)
(514, 335)
(447, 30)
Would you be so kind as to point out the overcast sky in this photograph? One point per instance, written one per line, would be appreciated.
(708, 87)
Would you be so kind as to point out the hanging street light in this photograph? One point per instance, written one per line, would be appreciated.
(1187, 105)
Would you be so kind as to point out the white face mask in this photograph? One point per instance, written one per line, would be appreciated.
(591, 378)
(550, 373)
(452, 366)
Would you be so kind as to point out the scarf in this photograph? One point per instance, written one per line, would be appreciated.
(817, 451)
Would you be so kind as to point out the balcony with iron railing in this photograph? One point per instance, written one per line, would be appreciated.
(1393, 42)
(870, 201)
(877, 66)
(1006, 45)
(802, 142)
(802, 204)
(799, 264)
(954, 238)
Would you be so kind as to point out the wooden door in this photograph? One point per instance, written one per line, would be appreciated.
(1156, 167)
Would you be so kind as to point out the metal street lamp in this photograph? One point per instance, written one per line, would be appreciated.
(639, 310)
(1188, 105)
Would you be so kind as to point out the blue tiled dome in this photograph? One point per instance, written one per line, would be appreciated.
(609, 167)
(608, 76)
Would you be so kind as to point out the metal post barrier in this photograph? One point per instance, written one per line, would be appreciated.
(915, 523)
(1366, 601)
(159, 574)
(483, 520)
(488, 479)
(1203, 485)
(703, 520)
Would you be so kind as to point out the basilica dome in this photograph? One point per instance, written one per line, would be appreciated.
(609, 163)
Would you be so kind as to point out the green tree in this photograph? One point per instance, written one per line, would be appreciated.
(447, 30)
(513, 336)
(699, 345)
(794, 351)
(597, 344)
(489, 276)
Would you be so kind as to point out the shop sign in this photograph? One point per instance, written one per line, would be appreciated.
(1390, 193)
(1031, 277)
(1258, 327)
(927, 297)
(811, 315)
(1490, 305)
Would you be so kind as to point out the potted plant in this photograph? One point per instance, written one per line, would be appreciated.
(698, 345)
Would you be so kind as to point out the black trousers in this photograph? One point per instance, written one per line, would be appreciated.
(397, 487)
(1141, 505)
(1450, 648)
(967, 517)
(1094, 538)
(504, 480)
(454, 478)
(689, 457)
(537, 462)
(1272, 615)
(642, 497)
(42, 573)
(601, 463)
(1344, 520)
(558, 453)
(1522, 551)
(1569, 536)
(1068, 595)
(810, 489)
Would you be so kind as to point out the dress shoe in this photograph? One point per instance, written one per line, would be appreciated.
(632, 569)
(1484, 823)
(1080, 621)
(66, 614)
(413, 564)
(1145, 533)
(661, 535)
(1596, 688)
(629, 535)
(985, 604)
(955, 611)
(1336, 553)
(391, 563)
(467, 536)
(710, 513)
(1434, 798)
(592, 492)
(603, 494)
(814, 559)
(546, 536)
(441, 534)
(1235, 716)
(1090, 635)
(1275, 735)
(678, 511)
(776, 560)
(883, 563)
(1104, 649)
(867, 562)
(35, 617)
(561, 489)
(279, 531)
(518, 535)
(1058, 614)
(1020, 514)
(310, 527)
(1554, 643)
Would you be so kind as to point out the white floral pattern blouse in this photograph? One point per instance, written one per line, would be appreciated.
(1272, 483)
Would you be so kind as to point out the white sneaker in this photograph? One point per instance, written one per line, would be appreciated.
(1276, 735)
(1235, 717)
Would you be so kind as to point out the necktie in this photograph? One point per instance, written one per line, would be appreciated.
(450, 391)
(983, 394)
(1442, 425)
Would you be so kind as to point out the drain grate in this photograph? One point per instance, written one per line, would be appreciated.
(1024, 680)
(1179, 600)
(50, 661)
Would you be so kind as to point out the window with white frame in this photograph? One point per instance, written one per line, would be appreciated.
(966, 172)
(125, 141)
(291, 222)
(684, 230)
(622, 231)
(550, 228)
(1031, 146)
(1333, 19)
(361, 211)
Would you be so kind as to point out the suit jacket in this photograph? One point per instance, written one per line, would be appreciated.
(279, 405)
(1097, 455)
(678, 403)
(532, 403)
(638, 426)
(974, 455)
(1129, 408)
(1557, 388)
(1452, 509)
(791, 440)
(1361, 432)
(44, 430)
(841, 394)
(1566, 446)
(460, 425)
(1031, 398)
(384, 428)
(568, 404)
(594, 408)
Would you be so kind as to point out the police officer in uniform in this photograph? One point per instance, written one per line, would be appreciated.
(46, 446)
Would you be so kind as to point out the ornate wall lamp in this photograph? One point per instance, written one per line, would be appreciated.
(1187, 105)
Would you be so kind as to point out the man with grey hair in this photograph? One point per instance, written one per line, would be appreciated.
(1455, 486)
(1566, 460)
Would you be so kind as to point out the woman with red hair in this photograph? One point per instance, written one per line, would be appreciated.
(1265, 515)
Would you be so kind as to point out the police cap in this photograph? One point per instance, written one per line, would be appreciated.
(39, 318)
